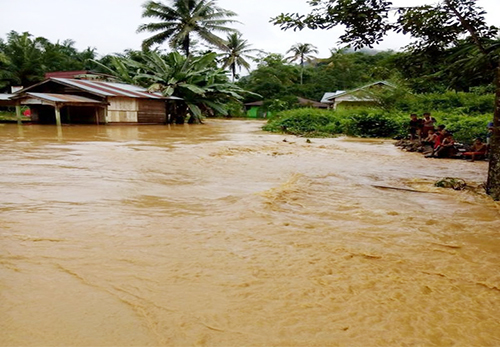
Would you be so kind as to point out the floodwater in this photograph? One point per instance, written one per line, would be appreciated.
(223, 235)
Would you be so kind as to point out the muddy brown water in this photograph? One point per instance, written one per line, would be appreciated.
(223, 235)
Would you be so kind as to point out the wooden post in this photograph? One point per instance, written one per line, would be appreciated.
(18, 114)
(97, 115)
(105, 111)
(58, 115)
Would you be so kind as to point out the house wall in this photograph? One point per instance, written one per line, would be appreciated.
(122, 110)
(152, 111)
(258, 112)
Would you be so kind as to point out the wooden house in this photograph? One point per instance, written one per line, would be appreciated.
(69, 100)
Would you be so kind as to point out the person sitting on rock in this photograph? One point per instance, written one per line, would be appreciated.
(440, 135)
(429, 142)
(477, 151)
(447, 147)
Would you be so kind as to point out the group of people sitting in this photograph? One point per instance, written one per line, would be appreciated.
(439, 143)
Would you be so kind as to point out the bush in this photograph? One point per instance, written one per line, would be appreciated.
(370, 122)
(304, 121)
(354, 122)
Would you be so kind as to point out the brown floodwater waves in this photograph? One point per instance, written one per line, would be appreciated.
(223, 235)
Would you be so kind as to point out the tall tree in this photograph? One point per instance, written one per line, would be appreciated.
(184, 18)
(302, 52)
(434, 27)
(237, 51)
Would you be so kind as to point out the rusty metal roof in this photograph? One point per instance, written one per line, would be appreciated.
(110, 88)
(64, 98)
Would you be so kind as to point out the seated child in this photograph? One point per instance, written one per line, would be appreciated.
(445, 149)
(430, 139)
(478, 150)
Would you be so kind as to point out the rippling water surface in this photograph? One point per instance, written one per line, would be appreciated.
(223, 235)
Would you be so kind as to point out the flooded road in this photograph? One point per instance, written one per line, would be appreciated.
(223, 235)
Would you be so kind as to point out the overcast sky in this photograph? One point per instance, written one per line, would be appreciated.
(110, 25)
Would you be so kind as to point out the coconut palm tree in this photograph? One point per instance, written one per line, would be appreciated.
(24, 55)
(302, 52)
(178, 22)
(236, 52)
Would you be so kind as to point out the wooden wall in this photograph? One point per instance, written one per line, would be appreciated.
(151, 111)
(122, 110)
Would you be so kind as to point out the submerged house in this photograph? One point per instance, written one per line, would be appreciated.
(69, 100)
(356, 97)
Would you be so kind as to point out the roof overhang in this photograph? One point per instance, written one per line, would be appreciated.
(57, 100)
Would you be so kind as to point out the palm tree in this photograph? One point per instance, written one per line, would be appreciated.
(24, 55)
(237, 50)
(178, 22)
(303, 52)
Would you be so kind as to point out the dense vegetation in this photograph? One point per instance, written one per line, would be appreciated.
(370, 122)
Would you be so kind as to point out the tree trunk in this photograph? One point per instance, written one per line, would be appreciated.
(493, 184)
(185, 45)
(301, 69)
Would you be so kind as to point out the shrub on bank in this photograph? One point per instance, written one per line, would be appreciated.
(370, 122)
(366, 122)
(305, 121)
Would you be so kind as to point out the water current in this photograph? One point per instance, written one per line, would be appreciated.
(223, 235)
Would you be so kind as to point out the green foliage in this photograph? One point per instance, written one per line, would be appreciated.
(281, 104)
(25, 59)
(235, 109)
(370, 122)
(467, 128)
(304, 121)
(353, 122)
(203, 87)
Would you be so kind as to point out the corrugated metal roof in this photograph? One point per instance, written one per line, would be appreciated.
(64, 98)
(110, 89)
(6, 96)
(365, 87)
(327, 97)
(65, 74)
